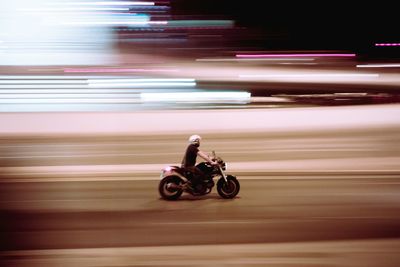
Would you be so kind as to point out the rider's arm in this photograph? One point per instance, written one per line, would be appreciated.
(204, 156)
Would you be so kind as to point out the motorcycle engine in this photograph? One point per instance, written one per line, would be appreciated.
(201, 188)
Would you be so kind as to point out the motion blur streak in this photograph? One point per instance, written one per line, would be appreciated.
(141, 83)
(196, 97)
(121, 70)
(252, 59)
(379, 66)
(108, 3)
(75, 9)
(312, 77)
(32, 34)
(387, 44)
(226, 121)
(293, 55)
(98, 97)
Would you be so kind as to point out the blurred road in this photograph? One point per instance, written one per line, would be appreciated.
(54, 222)
(308, 198)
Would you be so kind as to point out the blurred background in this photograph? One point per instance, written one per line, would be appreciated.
(300, 99)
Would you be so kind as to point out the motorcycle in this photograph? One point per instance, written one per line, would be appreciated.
(174, 181)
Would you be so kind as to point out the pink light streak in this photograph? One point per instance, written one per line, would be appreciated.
(387, 44)
(293, 55)
(119, 70)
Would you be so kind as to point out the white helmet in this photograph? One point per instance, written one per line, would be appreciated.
(195, 139)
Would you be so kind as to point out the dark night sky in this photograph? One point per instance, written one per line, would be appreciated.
(305, 24)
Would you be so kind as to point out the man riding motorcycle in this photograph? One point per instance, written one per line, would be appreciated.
(194, 174)
(197, 180)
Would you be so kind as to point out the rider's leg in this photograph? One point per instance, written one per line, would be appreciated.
(198, 176)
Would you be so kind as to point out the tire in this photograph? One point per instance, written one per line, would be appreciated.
(170, 193)
(230, 189)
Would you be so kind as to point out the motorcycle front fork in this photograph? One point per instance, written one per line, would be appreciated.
(223, 174)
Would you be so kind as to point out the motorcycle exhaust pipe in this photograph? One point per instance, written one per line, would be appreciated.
(173, 186)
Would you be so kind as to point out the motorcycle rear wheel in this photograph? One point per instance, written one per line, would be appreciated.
(228, 189)
(170, 187)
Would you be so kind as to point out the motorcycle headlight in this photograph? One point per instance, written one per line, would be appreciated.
(167, 169)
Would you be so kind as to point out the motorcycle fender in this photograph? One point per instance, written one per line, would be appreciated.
(172, 172)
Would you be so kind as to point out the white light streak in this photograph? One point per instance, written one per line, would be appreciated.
(73, 9)
(26, 82)
(69, 96)
(40, 86)
(67, 91)
(70, 101)
(140, 80)
(141, 23)
(379, 66)
(141, 85)
(158, 22)
(126, 22)
(35, 36)
(196, 97)
(38, 81)
(50, 77)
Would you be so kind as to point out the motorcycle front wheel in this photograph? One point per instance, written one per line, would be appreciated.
(170, 187)
(228, 189)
